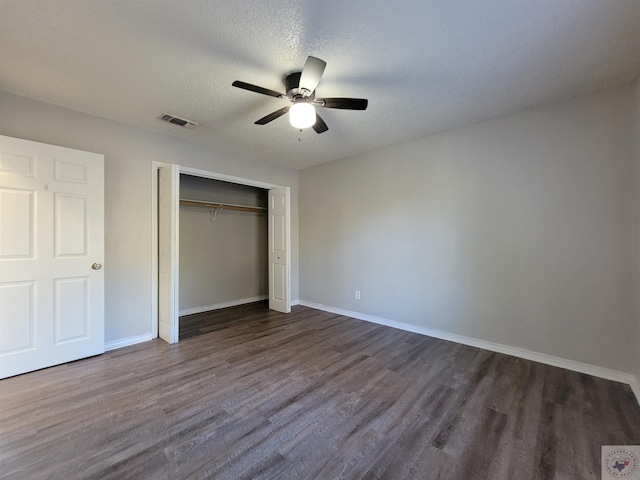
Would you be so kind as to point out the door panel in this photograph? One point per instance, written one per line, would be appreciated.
(17, 223)
(70, 172)
(51, 232)
(279, 283)
(12, 163)
(71, 309)
(17, 327)
(70, 225)
(279, 261)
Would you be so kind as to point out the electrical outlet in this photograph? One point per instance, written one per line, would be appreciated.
(357, 294)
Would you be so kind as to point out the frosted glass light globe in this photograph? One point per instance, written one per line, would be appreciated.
(302, 115)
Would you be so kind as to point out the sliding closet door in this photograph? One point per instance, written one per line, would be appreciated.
(168, 220)
(279, 250)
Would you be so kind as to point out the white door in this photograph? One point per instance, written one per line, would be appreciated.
(168, 228)
(279, 241)
(51, 255)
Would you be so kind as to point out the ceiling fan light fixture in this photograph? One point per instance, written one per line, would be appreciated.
(301, 92)
(302, 115)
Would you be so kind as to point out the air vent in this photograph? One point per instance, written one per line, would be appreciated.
(181, 122)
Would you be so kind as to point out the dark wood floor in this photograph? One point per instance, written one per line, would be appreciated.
(262, 395)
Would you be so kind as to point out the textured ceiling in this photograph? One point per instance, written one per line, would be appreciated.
(425, 66)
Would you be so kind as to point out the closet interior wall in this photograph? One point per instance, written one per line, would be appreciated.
(223, 255)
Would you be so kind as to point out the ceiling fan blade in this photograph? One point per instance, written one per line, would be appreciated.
(257, 89)
(320, 126)
(311, 74)
(344, 103)
(272, 116)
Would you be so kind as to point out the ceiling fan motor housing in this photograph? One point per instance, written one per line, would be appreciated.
(292, 83)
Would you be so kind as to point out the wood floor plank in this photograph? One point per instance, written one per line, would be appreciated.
(250, 393)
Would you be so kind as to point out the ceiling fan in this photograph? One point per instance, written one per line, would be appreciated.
(301, 88)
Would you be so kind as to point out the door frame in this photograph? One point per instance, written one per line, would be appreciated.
(155, 166)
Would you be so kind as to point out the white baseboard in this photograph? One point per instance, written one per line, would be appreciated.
(125, 342)
(218, 306)
(580, 367)
(295, 302)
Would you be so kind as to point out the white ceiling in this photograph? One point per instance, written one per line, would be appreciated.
(425, 66)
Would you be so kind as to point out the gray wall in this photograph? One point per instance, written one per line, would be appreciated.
(225, 260)
(516, 230)
(129, 153)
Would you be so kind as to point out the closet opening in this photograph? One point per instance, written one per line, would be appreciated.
(223, 251)
(231, 248)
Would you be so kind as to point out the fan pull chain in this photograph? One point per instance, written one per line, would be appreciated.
(300, 136)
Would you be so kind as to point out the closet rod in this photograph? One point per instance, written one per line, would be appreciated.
(227, 206)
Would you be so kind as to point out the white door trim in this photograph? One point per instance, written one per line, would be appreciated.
(154, 223)
(155, 166)
(227, 178)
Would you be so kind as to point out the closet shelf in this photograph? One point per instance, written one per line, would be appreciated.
(226, 206)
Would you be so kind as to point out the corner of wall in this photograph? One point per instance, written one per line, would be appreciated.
(635, 388)
(636, 234)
